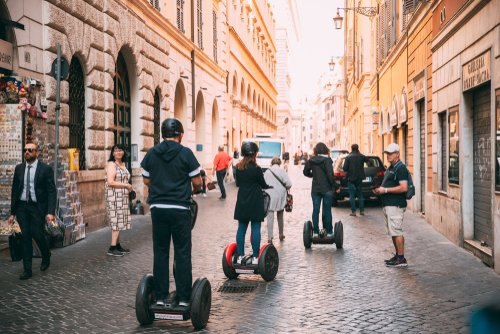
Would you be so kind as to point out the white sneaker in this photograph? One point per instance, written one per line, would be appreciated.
(183, 303)
(204, 195)
(194, 195)
(329, 235)
(238, 260)
(255, 260)
(315, 235)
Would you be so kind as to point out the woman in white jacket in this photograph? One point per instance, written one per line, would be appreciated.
(277, 177)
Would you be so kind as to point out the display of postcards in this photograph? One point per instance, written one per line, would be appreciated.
(74, 233)
(63, 201)
(76, 208)
(61, 192)
(83, 233)
(72, 176)
(63, 211)
(68, 220)
(68, 232)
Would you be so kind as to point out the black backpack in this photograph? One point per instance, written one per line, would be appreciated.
(410, 192)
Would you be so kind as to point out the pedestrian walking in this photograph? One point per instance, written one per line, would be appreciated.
(250, 201)
(286, 161)
(276, 177)
(118, 188)
(234, 162)
(33, 201)
(320, 169)
(221, 163)
(393, 195)
(170, 171)
(354, 166)
(203, 175)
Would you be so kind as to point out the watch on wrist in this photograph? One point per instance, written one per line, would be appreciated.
(385, 190)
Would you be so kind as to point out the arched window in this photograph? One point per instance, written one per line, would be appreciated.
(122, 130)
(156, 120)
(77, 109)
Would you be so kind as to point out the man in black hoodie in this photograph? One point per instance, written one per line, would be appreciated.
(169, 171)
(320, 168)
(354, 166)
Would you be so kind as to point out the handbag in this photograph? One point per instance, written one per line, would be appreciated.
(16, 246)
(132, 195)
(193, 207)
(267, 201)
(211, 185)
(52, 228)
(289, 197)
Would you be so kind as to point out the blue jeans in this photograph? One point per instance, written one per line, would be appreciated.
(327, 211)
(355, 189)
(254, 239)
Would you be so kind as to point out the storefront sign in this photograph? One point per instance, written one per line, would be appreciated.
(419, 91)
(403, 109)
(6, 55)
(476, 72)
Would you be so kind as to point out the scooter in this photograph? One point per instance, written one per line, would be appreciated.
(267, 267)
(338, 235)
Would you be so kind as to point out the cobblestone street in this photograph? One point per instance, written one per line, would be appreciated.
(318, 290)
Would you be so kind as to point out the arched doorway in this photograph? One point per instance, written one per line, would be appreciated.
(156, 116)
(180, 103)
(76, 105)
(215, 127)
(200, 121)
(122, 120)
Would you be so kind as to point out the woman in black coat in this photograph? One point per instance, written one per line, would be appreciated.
(250, 201)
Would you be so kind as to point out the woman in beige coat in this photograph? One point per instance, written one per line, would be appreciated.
(276, 177)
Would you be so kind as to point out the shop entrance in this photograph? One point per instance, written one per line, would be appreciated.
(421, 113)
(483, 229)
(122, 122)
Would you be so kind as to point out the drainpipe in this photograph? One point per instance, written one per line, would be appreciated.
(193, 97)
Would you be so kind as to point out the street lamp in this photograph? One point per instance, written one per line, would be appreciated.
(366, 11)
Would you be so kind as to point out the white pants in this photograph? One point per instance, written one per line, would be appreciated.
(270, 223)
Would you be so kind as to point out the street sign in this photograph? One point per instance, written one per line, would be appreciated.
(64, 69)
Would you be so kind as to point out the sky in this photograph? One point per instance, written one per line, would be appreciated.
(319, 41)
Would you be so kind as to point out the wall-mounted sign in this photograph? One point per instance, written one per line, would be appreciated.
(476, 72)
(6, 59)
(419, 89)
(403, 108)
(393, 113)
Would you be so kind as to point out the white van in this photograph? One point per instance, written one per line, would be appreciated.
(268, 149)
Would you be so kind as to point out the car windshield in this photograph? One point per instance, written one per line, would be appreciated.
(372, 162)
(269, 149)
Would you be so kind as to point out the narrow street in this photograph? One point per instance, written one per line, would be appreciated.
(316, 291)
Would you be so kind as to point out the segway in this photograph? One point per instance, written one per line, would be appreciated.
(267, 267)
(146, 310)
(338, 235)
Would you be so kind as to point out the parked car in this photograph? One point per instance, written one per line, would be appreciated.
(335, 153)
(374, 172)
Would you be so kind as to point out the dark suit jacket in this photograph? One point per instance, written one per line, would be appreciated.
(45, 188)
(354, 166)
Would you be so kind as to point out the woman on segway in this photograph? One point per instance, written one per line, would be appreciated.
(250, 201)
(320, 168)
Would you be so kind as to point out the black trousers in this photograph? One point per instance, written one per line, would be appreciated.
(221, 174)
(172, 224)
(32, 223)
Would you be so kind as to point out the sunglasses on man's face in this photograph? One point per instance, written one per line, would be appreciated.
(31, 150)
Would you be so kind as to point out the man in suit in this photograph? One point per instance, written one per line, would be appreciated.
(354, 166)
(33, 200)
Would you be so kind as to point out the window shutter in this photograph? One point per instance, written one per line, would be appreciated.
(215, 34)
(199, 11)
(409, 6)
(180, 15)
(377, 42)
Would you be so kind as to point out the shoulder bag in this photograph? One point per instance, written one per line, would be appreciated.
(289, 197)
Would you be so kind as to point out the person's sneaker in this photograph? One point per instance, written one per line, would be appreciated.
(161, 302)
(204, 195)
(239, 259)
(352, 214)
(362, 213)
(194, 195)
(114, 252)
(315, 235)
(391, 259)
(183, 303)
(329, 235)
(397, 263)
(121, 249)
(255, 260)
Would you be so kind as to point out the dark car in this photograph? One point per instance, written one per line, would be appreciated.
(374, 172)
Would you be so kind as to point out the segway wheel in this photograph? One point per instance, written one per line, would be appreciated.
(307, 234)
(269, 263)
(339, 234)
(227, 261)
(201, 302)
(143, 300)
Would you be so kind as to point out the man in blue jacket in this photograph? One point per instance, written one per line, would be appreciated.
(170, 170)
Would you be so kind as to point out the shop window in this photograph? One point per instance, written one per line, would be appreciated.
(156, 117)
(453, 161)
(76, 105)
(497, 146)
(443, 134)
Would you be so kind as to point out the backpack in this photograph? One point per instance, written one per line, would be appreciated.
(410, 192)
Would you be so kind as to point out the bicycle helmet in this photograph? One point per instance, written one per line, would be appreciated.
(249, 148)
(171, 128)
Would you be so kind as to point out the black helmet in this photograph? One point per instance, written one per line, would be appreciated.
(249, 148)
(171, 128)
